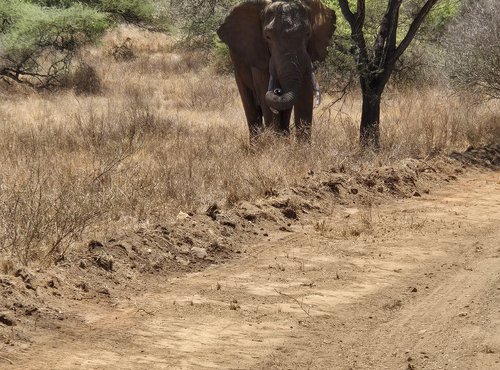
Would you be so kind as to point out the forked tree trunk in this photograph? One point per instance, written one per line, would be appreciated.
(376, 67)
(369, 133)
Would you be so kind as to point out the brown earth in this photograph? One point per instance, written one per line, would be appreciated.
(335, 274)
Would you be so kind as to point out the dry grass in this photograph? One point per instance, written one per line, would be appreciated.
(167, 134)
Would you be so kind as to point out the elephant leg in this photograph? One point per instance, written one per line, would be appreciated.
(261, 81)
(285, 121)
(253, 111)
(303, 111)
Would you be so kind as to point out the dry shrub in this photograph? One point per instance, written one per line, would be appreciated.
(123, 52)
(156, 142)
(418, 123)
(85, 80)
(200, 92)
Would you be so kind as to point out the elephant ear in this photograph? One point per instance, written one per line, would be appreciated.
(242, 32)
(323, 25)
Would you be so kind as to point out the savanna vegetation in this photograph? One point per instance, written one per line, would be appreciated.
(120, 113)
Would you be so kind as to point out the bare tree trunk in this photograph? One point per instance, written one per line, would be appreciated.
(372, 87)
(369, 134)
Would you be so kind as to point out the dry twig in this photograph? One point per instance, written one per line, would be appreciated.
(301, 304)
(6, 359)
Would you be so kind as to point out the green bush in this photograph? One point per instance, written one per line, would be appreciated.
(134, 11)
(39, 38)
(38, 43)
(199, 19)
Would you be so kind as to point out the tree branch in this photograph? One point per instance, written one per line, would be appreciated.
(360, 14)
(412, 31)
(388, 28)
(356, 22)
(348, 14)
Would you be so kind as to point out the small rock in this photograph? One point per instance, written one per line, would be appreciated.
(417, 194)
(30, 310)
(182, 261)
(354, 191)
(200, 253)
(53, 283)
(83, 286)
(227, 222)
(181, 216)
(105, 261)
(234, 305)
(213, 211)
(413, 290)
(6, 282)
(6, 319)
(27, 277)
(290, 213)
(250, 217)
(489, 350)
(94, 244)
(104, 291)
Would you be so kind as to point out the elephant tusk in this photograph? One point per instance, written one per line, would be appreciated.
(272, 83)
(276, 91)
(317, 91)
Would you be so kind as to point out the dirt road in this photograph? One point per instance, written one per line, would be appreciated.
(409, 284)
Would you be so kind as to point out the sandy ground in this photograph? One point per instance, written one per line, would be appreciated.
(418, 289)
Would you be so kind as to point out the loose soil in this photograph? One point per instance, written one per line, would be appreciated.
(392, 268)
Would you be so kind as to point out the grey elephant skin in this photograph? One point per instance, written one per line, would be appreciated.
(273, 45)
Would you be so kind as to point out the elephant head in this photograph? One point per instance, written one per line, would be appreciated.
(281, 36)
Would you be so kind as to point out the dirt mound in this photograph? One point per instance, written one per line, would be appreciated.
(116, 268)
(488, 157)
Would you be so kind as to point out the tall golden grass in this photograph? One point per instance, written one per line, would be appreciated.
(168, 134)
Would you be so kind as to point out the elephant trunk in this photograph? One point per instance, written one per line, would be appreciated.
(278, 100)
(290, 80)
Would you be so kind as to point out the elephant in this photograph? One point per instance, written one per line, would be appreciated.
(272, 45)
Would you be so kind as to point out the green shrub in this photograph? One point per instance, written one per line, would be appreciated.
(200, 19)
(134, 11)
(38, 43)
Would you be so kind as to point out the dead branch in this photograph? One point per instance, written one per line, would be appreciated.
(6, 359)
(301, 304)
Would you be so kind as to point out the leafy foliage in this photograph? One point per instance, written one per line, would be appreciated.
(199, 19)
(38, 43)
(39, 38)
(134, 11)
